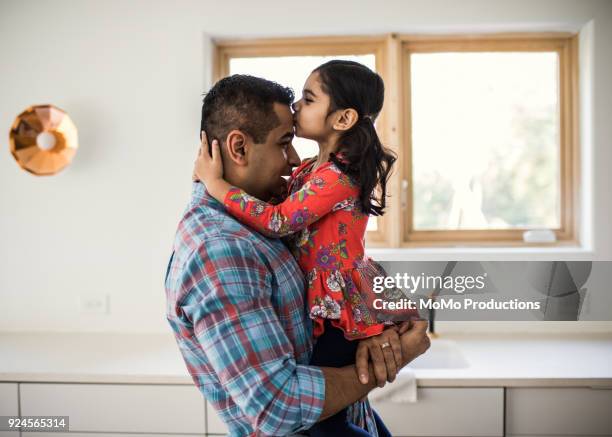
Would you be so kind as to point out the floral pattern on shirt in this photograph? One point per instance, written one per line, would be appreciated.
(326, 308)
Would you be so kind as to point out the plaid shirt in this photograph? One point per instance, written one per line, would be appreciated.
(235, 301)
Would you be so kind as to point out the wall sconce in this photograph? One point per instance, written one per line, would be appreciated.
(43, 140)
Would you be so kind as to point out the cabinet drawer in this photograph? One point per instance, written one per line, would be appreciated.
(214, 424)
(558, 411)
(118, 407)
(8, 399)
(446, 412)
(9, 405)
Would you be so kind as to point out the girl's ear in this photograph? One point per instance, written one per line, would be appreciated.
(236, 147)
(345, 119)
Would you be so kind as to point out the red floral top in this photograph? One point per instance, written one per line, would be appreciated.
(327, 229)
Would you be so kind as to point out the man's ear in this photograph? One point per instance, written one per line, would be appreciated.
(237, 142)
(345, 119)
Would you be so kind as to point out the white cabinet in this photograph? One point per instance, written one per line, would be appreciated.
(558, 411)
(118, 408)
(446, 412)
(214, 424)
(9, 405)
(458, 406)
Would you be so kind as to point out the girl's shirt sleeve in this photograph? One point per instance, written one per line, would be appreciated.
(327, 190)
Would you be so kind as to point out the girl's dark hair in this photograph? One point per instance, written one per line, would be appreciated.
(366, 161)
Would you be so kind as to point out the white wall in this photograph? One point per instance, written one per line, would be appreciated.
(131, 75)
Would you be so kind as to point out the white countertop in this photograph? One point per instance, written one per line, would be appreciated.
(509, 360)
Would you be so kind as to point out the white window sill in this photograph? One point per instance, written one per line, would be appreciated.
(481, 253)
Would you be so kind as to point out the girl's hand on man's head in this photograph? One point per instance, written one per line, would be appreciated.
(208, 168)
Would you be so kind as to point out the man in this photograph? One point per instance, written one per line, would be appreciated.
(236, 298)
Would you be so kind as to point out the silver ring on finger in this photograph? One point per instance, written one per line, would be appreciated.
(385, 344)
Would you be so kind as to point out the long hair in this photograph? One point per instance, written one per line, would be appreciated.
(366, 161)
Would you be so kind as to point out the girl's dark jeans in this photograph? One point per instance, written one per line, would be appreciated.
(333, 350)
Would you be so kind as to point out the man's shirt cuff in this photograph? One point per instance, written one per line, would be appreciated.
(311, 383)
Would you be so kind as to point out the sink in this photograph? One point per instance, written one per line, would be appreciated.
(442, 354)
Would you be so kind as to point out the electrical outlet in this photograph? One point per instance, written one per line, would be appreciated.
(95, 303)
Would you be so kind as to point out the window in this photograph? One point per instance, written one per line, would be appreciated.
(489, 139)
(485, 128)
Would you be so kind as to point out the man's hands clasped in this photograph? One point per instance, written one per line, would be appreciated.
(391, 350)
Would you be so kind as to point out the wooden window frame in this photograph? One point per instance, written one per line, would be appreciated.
(392, 52)
(566, 46)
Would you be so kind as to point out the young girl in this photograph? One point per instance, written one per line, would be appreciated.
(326, 214)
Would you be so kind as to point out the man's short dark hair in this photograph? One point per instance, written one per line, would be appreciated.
(245, 103)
